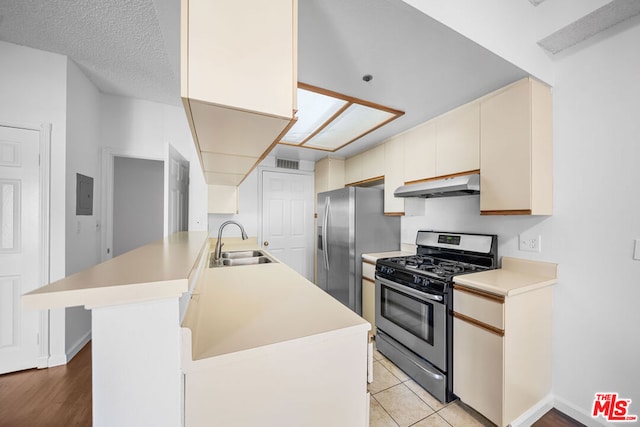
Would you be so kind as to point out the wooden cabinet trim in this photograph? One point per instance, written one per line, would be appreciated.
(435, 178)
(366, 261)
(507, 212)
(369, 280)
(394, 213)
(365, 181)
(482, 294)
(479, 324)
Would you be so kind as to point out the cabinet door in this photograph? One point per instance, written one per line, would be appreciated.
(393, 175)
(420, 152)
(223, 199)
(222, 70)
(458, 141)
(478, 369)
(505, 153)
(373, 163)
(369, 302)
(353, 169)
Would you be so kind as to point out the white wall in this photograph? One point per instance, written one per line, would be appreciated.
(32, 92)
(82, 231)
(146, 129)
(40, 87)
(248, 199)
(590, 235)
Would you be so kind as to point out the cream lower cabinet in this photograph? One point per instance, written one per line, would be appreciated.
(516, 154)
(369, 293)
(501, 351)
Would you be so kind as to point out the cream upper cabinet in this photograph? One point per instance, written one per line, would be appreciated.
(353, 169)
(329, 174)
(373, 163)
(393, 174)
(516, 155)
(223, 199)
(420, 152)
(458, 141)
(366, 166)
(238, 80)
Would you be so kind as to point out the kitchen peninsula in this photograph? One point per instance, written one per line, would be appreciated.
(255, 333)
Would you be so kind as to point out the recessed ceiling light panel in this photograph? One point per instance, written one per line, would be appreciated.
(328, 120)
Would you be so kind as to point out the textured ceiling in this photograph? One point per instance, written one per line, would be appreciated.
(591, 24)
(118, 44)
(131, 48)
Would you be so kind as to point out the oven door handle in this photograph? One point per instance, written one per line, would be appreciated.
(423, 296)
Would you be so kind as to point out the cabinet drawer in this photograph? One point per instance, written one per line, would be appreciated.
(478, 305)
(368, 270)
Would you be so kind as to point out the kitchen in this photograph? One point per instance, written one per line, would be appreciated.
(594, 92)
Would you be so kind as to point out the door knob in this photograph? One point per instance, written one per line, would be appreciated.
(266, 243)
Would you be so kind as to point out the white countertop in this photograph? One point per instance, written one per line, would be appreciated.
(373, 257)
(243, 307)
(160, 269)
(516, 276)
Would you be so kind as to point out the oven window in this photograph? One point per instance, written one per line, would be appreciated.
(409, 313)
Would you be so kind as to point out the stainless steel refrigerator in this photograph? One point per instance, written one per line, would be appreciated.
(351, 222)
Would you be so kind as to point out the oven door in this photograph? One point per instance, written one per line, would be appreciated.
(415, 319)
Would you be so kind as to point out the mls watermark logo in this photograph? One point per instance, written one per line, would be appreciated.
(612, 408)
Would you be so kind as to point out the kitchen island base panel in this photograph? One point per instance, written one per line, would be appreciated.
(136, 364)
(307, 382)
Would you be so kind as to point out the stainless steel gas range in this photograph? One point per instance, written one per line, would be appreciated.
(414, 303)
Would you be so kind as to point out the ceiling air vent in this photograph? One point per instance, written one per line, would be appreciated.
(287, 164)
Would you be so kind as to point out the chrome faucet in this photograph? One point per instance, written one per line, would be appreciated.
(218, 252)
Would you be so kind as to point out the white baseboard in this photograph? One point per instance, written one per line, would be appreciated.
(63, 359)
(534, 413)
(57, 360)
(78, 345)
(577, 413)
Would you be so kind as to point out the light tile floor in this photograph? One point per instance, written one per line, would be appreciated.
(396, 400)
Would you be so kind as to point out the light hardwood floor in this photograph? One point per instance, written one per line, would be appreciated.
(59, 396)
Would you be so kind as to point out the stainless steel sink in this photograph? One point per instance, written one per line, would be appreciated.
(229, 259)
(242, 254)
(246, 261)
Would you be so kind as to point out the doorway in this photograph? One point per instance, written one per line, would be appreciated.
(24, 244)
(178, 192)
(287, 218)
(138, 202)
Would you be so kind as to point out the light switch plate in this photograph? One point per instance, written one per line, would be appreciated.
(636, 250)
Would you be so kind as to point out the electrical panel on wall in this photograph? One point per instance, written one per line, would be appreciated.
(84, 195)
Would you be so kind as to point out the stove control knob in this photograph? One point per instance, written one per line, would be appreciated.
(417, 279)
(425, 282)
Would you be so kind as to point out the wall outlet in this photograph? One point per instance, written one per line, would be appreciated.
(530, 243)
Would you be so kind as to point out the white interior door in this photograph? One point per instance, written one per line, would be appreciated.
(178, 192)
(19, 246)
(287, 219)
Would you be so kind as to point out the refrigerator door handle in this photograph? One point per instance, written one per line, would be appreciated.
(325, 223)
